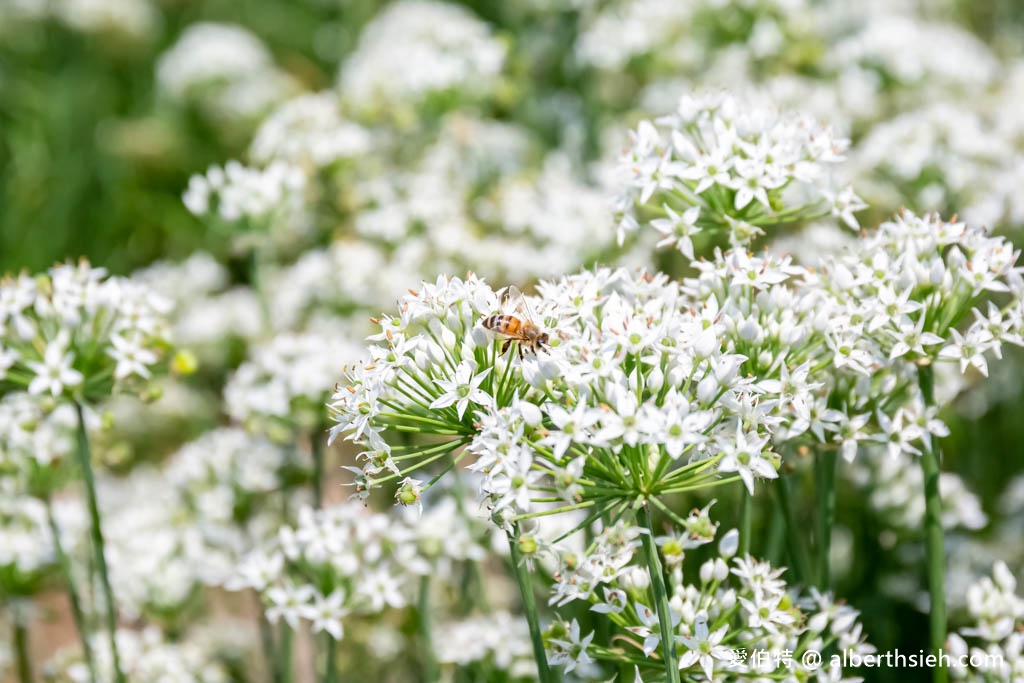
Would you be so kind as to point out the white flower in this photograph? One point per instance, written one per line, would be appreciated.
(745, 456)
(678, 229)
(54, 373)
(969, 349)
(309, 130)
(704, 647)
(844, 204)
(462, 390)
(650, 629)
(288, 602)
(257, 571)
(572, 649)
(132, 357)
(224, 68)
(8, 357)
(418, 47)
(327, 613)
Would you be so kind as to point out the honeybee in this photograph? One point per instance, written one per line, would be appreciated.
(516, 328)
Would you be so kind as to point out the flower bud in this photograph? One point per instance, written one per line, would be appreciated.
(184, 363)
(707, 571)
(729, 544)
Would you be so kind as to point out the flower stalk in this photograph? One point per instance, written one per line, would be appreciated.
(522, 574)
(745, 513)
(99, 551)
(316, 441)
(267, 641)
(284, 675)
(430, 672)
(331, 659)
(668, 640)
(934, 538)
(73, 597)
(21, 646)
(794, 546)
(825, 477)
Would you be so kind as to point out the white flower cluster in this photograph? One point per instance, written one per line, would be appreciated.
(673, 38)
(473, 199)
(636, 393)
(362, 563)
(26, 546)
(476, 193)
(172, 530)
(938, 156)
(417, 49)
(207, 311)
(309, 131)
(223, 485)
(155, 557)
(327, 285)
(908, 51)
(447, 533)
(78, 334)
(629, 29)
(133, 19)
(949, 155)
(31, 437)
(894, 487)
(912, 282)
(997, 630)
(251, 199)
(224, 70)
(744, 603)
(287, 381)
(499, 640)
(145, 656)
(720, 165)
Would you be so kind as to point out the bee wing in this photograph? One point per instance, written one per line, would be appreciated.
(514, 297)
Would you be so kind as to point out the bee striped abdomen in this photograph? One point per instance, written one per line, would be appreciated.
(504, 324)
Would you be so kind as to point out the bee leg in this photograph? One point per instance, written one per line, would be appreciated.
(520, 348)
(504, 347)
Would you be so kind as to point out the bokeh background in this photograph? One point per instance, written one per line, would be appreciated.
(109, 107)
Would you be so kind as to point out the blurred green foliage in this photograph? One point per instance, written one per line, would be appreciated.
(92, 163)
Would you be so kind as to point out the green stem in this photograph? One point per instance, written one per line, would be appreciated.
(825, 475)
(745, 506)
(267, 642)
(316, 442)
(522, 574)
(668, 636)
(472, 570)
(99, 551)
(69, 577)
(287, 638)
(20, 620)
(430, 672)
(776, 537)
(256, 282)
(794, 544)
(331, 663)
(934, 539)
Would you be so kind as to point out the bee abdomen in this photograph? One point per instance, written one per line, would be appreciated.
(507, 324)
